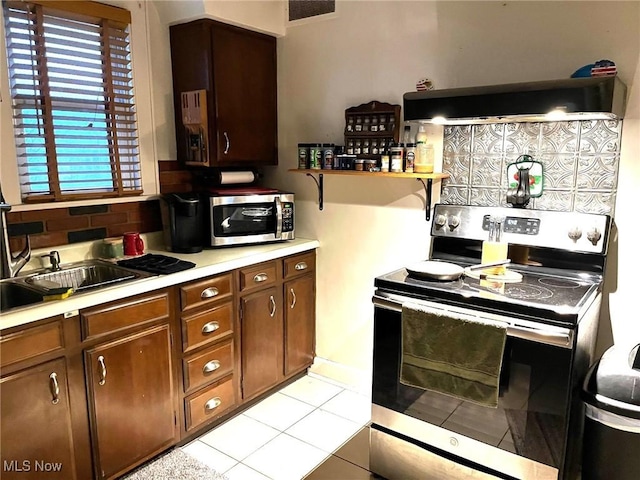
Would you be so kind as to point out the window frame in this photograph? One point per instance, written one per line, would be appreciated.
(106, 16)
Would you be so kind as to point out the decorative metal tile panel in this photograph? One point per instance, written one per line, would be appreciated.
(580, 158)
(560, 137)
(457, 139)
(486, 170)
(600, 136)
(488, 138)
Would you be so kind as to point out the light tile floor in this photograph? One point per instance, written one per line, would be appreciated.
(286, 435)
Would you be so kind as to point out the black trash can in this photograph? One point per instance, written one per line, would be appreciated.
(611, 393)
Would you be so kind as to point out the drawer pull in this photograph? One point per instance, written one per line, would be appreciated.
(212, 404)
(210, 327)
(103, 371)
(209, 293)
(301, 266)
(55, 388)
(211, 366)
(260, 277)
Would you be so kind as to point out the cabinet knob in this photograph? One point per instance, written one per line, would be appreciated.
(55, 388)
(301, 266)
(209, 293)
(210, 327)
(260, 277)
(211, 366)
(212, 404)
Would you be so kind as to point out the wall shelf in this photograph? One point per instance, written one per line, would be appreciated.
(421, 177)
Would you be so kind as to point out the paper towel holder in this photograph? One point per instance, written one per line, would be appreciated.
(215, 177)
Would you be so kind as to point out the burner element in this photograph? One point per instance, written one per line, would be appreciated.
(528, 292)
(559, 282)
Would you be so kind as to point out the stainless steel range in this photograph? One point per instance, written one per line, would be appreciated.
(551, 318)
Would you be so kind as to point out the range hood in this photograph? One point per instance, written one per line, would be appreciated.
(555, 100)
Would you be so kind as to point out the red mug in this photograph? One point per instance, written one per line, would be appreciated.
(133, 244)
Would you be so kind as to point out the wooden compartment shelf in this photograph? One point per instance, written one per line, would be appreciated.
(421, 177)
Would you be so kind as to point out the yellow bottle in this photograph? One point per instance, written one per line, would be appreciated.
(494, 249)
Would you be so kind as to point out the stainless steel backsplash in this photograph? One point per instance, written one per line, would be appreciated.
(580, 158)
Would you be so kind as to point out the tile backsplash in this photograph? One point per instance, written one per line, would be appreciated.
(580, 160)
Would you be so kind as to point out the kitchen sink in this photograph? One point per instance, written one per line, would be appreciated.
(81, 276)
(14, 295)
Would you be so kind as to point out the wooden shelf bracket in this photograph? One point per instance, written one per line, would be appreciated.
(320, 185)
(427, 190)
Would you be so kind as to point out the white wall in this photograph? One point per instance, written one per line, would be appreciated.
(377, 51)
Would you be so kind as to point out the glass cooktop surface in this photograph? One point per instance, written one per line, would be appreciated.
(560, 295)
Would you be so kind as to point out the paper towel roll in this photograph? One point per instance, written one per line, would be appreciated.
(233, 178)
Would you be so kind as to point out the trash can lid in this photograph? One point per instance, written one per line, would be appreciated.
(613, 383)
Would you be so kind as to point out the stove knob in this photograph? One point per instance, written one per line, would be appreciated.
(575, 234)
(594, 236)
(441, 220)
(454, 221)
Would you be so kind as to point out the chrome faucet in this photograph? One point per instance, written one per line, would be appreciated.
(10, 265)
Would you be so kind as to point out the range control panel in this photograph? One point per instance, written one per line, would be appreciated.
(584, 232)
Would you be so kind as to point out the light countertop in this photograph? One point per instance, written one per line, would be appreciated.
(208, 262)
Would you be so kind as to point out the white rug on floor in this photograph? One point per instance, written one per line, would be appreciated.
(174, 465)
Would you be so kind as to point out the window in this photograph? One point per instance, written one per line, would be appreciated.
(73, 104)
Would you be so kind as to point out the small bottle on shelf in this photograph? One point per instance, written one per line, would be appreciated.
(409, 157)
(424, 152)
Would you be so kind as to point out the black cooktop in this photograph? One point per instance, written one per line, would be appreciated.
(561, 296)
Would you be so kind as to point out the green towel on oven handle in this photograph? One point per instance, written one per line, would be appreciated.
(452, 355)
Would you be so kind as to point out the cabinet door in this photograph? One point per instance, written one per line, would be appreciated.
(244, 65)
(36, 424)
(131, 398)
(262, 341)
(299, 328)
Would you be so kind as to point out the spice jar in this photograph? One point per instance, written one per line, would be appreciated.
(370, 165)
(315, 156)
(384, 163)
(396, 153)
(359, 164)
(327, 156)
(303, 155)
(409, 157)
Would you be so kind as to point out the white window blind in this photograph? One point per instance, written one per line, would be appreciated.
(72, 91)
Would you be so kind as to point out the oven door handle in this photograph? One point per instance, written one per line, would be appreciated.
(558, 339)
(278, 218)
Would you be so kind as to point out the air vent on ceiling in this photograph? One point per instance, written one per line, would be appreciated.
(301, 9)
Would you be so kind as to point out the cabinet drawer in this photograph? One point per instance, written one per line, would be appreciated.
(258, 276)
(299, 264)
(31, 342)
(205, 292)
(202, 368)
(207, 326)
(209, 404)
(118, 316)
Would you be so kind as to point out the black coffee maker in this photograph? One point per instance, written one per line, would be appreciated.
(182, 222)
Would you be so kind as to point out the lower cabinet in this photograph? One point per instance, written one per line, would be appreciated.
(36, 439)
(109, 388)
(262, 341)
(299, 323)
(277, 318)
(131, 399)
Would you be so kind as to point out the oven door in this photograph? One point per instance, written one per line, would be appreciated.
(524, 437)
(250, 219)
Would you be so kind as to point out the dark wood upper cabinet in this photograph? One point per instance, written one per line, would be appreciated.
(236, 70)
